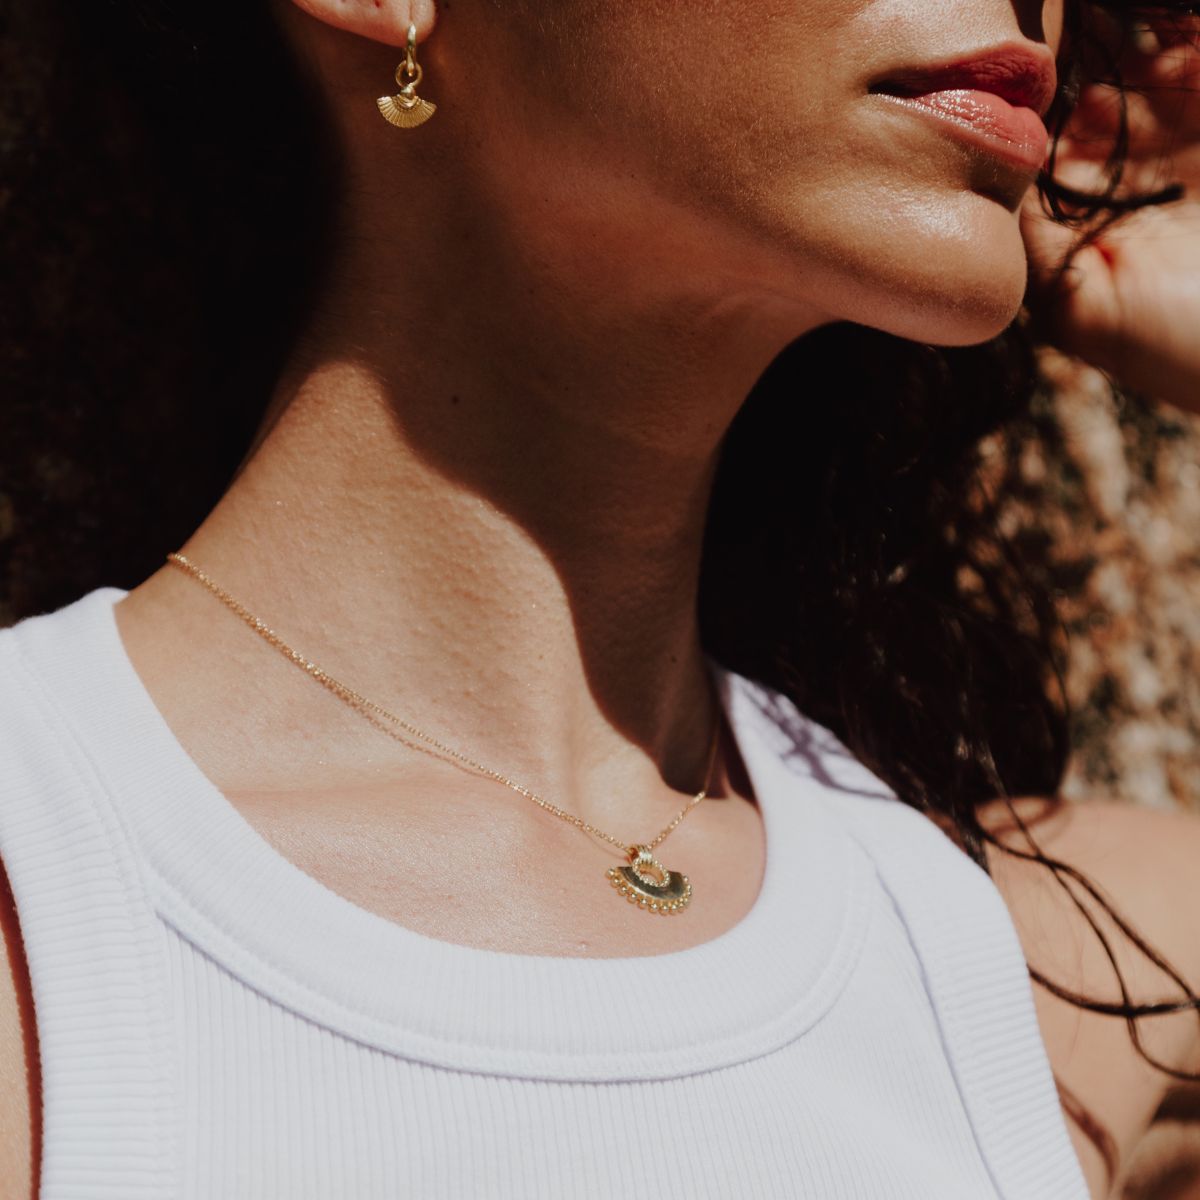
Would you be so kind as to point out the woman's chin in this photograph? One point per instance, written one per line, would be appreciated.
(951, 290)
(969, 317)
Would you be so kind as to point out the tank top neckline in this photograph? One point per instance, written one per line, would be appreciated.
(220, 884)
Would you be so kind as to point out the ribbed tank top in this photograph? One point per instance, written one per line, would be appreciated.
(215, 1023)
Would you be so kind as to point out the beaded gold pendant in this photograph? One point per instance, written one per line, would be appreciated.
(647, 883)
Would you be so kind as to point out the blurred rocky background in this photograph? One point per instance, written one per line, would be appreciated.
(1112, 483)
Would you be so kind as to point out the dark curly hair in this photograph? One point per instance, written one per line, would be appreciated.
(165, 229)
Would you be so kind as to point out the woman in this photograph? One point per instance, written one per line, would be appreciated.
(280, 950)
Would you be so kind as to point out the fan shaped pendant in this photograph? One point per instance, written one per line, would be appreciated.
(406, 111)
(669, 892)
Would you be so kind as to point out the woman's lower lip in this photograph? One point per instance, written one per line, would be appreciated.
(987, 120)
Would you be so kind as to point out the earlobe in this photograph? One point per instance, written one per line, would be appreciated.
(384, 21)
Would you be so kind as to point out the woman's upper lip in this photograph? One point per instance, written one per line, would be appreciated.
(1024, 74)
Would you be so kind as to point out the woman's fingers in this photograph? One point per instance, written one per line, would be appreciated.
(1077, 311)
(1130, 302)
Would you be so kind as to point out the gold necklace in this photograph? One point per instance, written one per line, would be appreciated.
(642, 880)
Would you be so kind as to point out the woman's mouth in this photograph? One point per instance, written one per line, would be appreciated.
(994, 100)
(987, 120)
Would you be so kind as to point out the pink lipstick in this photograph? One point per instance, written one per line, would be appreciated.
(995, 100)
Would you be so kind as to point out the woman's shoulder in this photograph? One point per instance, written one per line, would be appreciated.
(1143, 862)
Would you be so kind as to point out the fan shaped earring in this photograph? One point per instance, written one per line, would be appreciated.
(407, 110)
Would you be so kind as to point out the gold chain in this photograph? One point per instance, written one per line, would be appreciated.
(355, 700)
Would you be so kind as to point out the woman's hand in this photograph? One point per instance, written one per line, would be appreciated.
(1130, 304)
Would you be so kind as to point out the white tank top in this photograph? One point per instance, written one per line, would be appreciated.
(215, 1023)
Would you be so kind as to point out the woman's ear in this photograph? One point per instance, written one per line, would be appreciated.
(385, 21)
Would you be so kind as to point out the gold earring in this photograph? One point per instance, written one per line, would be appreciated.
(407, 110)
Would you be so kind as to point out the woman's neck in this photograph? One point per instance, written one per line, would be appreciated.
(482, 485)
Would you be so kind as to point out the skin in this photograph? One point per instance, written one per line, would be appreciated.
(506, 540)
(624, 253)
(479, 491)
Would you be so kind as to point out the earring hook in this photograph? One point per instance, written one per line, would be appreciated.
(410, 51)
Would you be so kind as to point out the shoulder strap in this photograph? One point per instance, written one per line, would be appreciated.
(979, 984)
(974, 967)
(88, 931)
